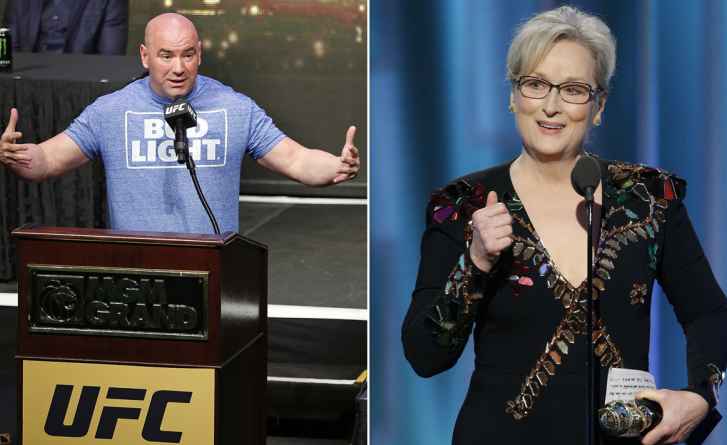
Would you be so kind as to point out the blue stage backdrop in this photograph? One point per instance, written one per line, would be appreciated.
(439, 110)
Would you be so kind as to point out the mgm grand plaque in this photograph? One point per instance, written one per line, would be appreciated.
(118, 302)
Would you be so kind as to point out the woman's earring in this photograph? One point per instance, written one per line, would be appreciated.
(511, 108)
(597, 121)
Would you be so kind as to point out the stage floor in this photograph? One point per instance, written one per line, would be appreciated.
(317, 251)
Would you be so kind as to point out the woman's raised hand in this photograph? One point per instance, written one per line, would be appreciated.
(491, 233)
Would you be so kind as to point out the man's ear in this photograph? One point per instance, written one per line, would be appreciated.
(144, 53)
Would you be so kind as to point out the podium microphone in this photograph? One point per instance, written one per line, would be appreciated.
(180, 115)
(585, 178)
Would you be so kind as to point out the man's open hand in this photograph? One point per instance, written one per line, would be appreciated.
(11, 153)
(349, 161)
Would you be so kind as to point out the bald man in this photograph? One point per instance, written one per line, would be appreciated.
(147, 189)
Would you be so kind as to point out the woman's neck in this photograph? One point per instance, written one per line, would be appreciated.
(546, 170)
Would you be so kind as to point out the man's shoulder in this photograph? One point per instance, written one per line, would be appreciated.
(131, 92)
(213, 89)
(209, 85)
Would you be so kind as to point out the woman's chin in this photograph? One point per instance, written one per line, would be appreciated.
(548, 152)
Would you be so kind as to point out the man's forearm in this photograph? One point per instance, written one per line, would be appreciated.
(315, 167)
(38, 167)
(311, 166)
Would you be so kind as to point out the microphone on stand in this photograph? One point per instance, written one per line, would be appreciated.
(180, 115)
(618, 418)
(585, 178)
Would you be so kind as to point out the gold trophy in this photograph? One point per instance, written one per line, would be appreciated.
(629, 418)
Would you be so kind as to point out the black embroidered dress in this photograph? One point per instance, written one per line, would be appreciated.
(529, 321)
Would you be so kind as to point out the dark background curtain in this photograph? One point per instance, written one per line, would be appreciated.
(75, 199)
(439, 110)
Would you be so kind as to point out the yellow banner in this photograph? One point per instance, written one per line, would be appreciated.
(90, 403)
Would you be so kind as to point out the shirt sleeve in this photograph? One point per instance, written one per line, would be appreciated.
(264, 135)
(84, 131)
(699, 303)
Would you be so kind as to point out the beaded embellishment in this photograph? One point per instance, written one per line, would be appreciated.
(627, 187)
(638, 212)
(453, 314)
(638, 293)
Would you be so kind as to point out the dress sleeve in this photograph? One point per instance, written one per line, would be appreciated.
(445, 300)
(699, 303)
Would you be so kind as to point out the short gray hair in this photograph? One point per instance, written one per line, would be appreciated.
(536, 37)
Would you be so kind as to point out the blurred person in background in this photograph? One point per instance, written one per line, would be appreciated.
(68, 26)
(502, 257)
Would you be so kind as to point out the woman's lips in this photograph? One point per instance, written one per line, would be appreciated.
(549, 127)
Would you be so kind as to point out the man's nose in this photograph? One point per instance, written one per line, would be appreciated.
(178, 65)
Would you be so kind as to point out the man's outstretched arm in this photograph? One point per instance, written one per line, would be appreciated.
(311, 166)
(37, 162)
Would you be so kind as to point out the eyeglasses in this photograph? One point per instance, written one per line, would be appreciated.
(571, 92)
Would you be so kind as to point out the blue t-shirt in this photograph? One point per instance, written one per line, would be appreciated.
(147, 189)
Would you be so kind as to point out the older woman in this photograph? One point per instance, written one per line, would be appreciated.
(504, 252)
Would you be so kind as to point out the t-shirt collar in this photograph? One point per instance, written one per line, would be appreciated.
(165, 100)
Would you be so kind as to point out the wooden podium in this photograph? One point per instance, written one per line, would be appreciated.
(140, 338)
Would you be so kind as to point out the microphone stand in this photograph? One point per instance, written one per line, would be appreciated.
(181, 147)
(591, 382)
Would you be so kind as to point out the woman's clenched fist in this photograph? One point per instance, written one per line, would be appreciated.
(491, 233)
